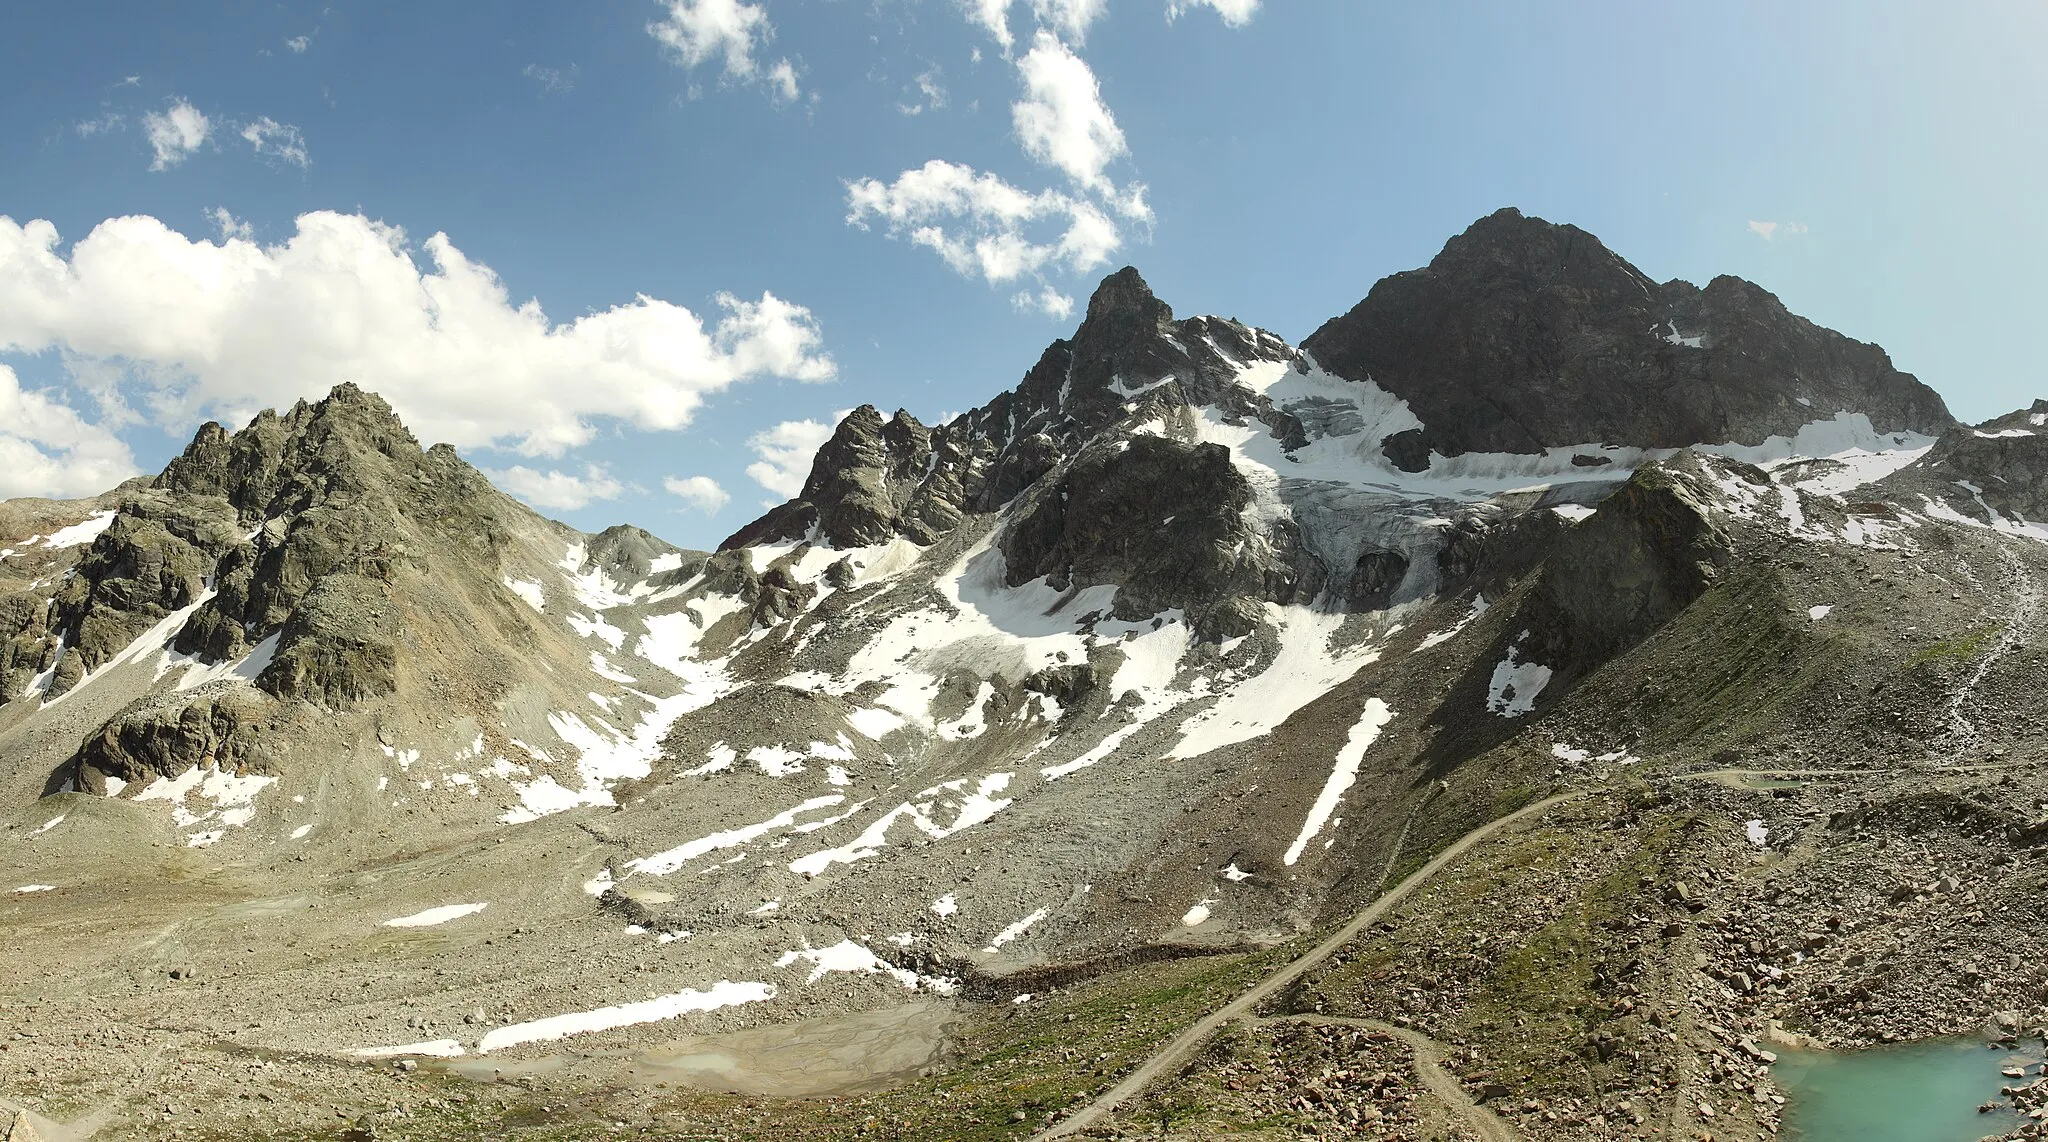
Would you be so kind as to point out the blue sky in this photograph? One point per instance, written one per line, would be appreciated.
(716, 204)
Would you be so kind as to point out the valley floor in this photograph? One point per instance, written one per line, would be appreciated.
(1613, 964)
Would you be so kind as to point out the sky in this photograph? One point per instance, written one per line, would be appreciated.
(634, 257)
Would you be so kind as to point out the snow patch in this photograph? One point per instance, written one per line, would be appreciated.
(1305, 667)
(434, 917)
(595, 626)
(1479, 605)
(847, 956)
(1015, 930)
(966, 807)
(79, 534)
(1512, 690)
(232, 800)
(724, 993)
(529, 590)
(669, 860)
(1363, 733)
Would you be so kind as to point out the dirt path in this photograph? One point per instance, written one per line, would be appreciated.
(1429, 1067)
(1184, 1045)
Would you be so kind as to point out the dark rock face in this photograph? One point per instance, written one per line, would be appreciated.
(27, 645)
(1523, 335)
(1163, 521)
(1374, 578)
(2004, 460)
(340, 645)
(1651, 549)
(875, 479)
(152, 560)
(165, 735)
(339, 487)
(300, 524)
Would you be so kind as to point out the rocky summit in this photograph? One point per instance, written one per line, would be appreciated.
(1521, 710)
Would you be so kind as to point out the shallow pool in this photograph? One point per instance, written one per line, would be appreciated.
(1920, 1092)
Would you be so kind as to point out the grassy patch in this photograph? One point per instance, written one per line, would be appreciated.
(1962, 648)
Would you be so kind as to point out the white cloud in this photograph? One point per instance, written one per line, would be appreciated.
(108, 122)
(782, 82)
(299, 44)
(47, 449)
(731, 31)
(223, 330)
(276, 140)
(230, 226)
(1235, 13)
(931, 90)
(993, 17)
(1047, 300)
(1069, 17)
(700, 492)
(553, 81)
(997, 231)
(1062, 121)
(555, 489)
(1769, 230)
(175, 133)
(785, 452)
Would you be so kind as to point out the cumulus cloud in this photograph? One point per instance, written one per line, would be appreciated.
(557, 490)
(299, 44)
(993, 17)
(1062, 121)
(175, 133)
(275, 140)
(982, 225)
(1069, 17)
(785, 452)
(199, 329)
(1235, 13)
(701, 493)
(47, 449)
(728, 31)
(1770, 230)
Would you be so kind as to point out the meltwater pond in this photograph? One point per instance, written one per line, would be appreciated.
(1920, 1092)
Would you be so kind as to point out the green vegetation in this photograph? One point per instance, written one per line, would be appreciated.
(1962, 648)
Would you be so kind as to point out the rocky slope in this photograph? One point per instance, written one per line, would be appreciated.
(318, 744)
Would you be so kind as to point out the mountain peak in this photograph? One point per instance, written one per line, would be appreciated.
(1524, 335)
(1124, 296)
(1523, 244)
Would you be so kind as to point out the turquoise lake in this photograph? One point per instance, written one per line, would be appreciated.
(1921, 1092)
